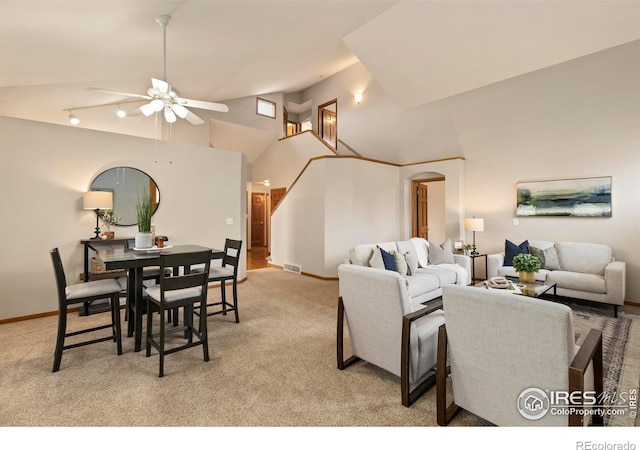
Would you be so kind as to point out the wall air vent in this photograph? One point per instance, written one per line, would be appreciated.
(293, 268)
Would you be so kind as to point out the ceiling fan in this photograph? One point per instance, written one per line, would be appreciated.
(163, 97)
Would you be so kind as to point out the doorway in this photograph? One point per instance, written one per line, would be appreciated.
(258, 210)
(427, 209)
(328, 122)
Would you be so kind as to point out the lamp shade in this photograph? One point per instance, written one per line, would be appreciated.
(97, 200)
(474, 224)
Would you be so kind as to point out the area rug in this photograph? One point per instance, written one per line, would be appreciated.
(621, 357)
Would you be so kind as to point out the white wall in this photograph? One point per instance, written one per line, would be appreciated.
(577, 119)
(45, 169)
(336, 204)
(283, 160)
(436, 211)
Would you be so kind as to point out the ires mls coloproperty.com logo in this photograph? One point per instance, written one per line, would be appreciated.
(534, 403)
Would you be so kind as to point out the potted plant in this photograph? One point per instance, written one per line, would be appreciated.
(526, 265)
(467, 249)
(144, 211)
(108, 219)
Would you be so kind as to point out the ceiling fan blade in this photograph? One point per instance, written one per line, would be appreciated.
(193, 119)
(203, 105)
(180, 110)
(160, 85)
(125, 94)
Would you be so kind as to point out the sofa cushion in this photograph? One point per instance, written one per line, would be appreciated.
(441, 254)
(401, 262)
(423, 283)
(583, 257)
(548, 257)
(422, 251)
(376, 261)
(361, 254)
(388, 259)
(444, 276)
(408, 249)
(586, 282)
(511, 250)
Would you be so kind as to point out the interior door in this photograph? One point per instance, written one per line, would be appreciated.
(257, 219)
(328, 122)
(422, 215)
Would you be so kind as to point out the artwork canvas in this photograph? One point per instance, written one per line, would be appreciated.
(578, 197)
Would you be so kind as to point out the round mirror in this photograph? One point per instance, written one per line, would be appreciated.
(127, 184)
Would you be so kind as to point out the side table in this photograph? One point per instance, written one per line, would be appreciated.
(473, 266)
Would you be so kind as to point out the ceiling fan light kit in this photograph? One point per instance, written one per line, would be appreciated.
(162, 97)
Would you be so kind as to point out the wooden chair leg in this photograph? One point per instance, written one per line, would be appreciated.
(223, 294)
(62, 330)
(115, 320)
(235, 300)
(202, 327)
(444, 412)
(342, 364)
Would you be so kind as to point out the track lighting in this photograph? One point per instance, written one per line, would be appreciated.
(73, 120)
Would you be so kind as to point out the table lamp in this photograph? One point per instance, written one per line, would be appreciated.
(474, 224)
(97, 200)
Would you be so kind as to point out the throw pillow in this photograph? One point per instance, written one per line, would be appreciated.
(441, 254)
(548, 257)
(401, 262)
(376, 260)
(511, 250)
(412, 262)
(388, 260)
(421, 251)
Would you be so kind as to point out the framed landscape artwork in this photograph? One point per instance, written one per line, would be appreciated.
(578, 197)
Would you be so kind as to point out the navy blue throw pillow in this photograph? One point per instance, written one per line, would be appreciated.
(511, 250)
(388, 260)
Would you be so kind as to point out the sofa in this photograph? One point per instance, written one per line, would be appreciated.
(426, 267)
(580, 270)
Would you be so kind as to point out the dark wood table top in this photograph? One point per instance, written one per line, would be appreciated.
(127, 259)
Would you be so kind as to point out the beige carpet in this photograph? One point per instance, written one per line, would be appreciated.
(277, 367)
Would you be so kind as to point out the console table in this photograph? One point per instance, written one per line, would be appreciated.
(103, 244)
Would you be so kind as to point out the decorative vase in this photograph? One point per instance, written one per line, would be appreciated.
(527, 277)
(144, 239)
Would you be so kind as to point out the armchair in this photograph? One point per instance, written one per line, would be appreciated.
(383, 329)
(500, 345)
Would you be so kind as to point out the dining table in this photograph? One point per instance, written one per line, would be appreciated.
(134, 261)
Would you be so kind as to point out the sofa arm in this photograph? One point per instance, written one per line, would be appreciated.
(494, 262)
(465, 262)
(615, 280)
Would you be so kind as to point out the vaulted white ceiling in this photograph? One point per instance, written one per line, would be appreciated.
(417, 52)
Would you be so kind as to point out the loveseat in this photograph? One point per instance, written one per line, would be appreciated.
(425, 270)
(581, 270)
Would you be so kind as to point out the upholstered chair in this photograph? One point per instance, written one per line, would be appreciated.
(383, 330)
(84, 293)
(505, 352)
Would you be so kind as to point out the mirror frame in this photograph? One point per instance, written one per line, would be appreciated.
(155, 199)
